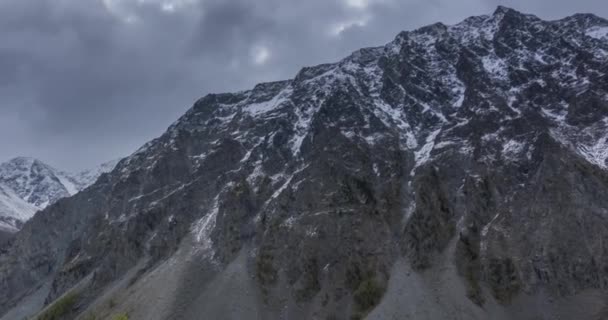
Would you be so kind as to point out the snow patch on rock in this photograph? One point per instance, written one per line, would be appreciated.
(276, 102)
(203, 228)
(597, 32)
(423, 155)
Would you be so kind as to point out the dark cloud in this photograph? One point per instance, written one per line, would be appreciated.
(85, 81)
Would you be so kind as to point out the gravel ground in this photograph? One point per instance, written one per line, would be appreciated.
(439, 293)
(29, 305)
(187, 287)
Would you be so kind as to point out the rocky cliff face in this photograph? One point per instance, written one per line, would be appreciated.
(459, 172)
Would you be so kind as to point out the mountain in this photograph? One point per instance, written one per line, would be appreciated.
(86, 178)
(35, 182)
(13, 210)
(28, 185)
(459, 172)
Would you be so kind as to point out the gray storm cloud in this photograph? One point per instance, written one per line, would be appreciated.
(85, 81)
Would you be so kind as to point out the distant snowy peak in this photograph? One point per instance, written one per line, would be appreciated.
(86, 178)
(28, 185)
(13, 210)
(35, 182)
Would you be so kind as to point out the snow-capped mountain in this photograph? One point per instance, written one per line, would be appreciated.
(13, 210)
(86, 178)
(36, 182)
(28, 185)
(459, 172)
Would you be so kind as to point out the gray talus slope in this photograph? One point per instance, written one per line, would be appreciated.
(470, 157)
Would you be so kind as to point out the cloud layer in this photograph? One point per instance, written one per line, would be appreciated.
(85, 81)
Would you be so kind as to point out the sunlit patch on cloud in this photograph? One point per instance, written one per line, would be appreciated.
(126, 10)
(171, 6)
(364, 4)
(168, 7)
(122, 9)
(337, 28)
(260, 54)
(359, 4)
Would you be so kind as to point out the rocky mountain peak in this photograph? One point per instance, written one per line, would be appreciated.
(503, 10)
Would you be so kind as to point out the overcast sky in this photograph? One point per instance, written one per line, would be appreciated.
(86, 81)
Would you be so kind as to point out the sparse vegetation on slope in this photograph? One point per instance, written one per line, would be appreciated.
(60, 308)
